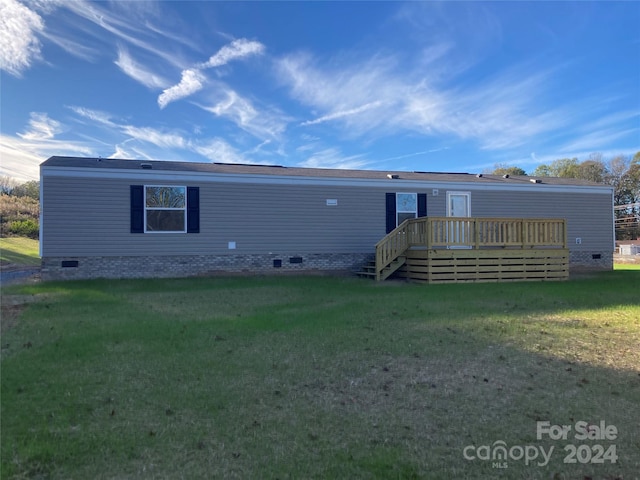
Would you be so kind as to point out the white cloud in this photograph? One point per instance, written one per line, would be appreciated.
(258, 148)
(19, 44)
(148, 142)
(597, 140)
(18, 163)
(41, 127)
(192, 78)
(333, 158)
(75, 48)
(262, 124)
(121, 152)
(499, 113)
(346, 88)
(97, 116)
(155, 137)
(342, 114)
(414, 154)
(237, 49)
(22, 156)
(236, 107)
(190, 83)
(124, 27)
(136, 71)
(217, 150)
(603, 132)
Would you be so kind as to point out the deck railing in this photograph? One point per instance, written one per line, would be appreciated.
(448, 232)
(470, 232)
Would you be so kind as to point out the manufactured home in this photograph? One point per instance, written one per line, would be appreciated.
(129, 218)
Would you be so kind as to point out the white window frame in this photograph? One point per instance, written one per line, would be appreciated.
(183, 209)
(399, 211)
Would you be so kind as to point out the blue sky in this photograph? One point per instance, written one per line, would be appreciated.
(429, 86)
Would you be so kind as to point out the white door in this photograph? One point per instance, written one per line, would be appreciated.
(459, 205)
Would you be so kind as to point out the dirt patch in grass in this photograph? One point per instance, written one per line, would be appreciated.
(12, 307)
(211, 304)
(10, 310)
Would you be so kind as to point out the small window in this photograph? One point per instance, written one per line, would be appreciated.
(406, 206)
(165, 209)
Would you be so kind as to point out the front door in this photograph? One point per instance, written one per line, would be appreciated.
(458, 204)
(459, 232)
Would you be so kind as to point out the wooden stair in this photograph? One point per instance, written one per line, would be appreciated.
(369, 269)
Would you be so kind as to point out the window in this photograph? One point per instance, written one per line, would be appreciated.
(401, 206)
(406, 206)
(165, 209)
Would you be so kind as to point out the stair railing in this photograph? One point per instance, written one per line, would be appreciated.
(409, 233)
(394, 244)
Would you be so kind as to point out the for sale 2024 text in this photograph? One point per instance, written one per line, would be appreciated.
(582, 431)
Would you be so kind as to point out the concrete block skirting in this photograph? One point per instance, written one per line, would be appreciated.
(596, 260)
(76, 268)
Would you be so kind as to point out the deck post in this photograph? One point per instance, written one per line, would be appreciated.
(477, 233)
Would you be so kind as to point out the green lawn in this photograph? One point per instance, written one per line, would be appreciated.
(626, 266)
(19, 251)
(293, 377)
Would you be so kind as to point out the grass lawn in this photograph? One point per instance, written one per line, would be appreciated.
(626, 266)
(19, 251)
(293, 377)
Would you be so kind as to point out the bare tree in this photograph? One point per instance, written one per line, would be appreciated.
(7, 184)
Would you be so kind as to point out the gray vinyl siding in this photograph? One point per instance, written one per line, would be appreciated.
(589, 215)
(91, 217)
(88, 217)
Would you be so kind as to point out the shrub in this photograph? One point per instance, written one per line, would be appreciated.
(18, 210)
(25, 228)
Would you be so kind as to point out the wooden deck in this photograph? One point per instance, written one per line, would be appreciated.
(448, 249)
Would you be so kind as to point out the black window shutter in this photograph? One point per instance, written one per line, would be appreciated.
(137, 209)
(391, 211)
(422, 205)
(193, 210)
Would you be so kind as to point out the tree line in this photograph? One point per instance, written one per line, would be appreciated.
(19, 208)
(621, 172)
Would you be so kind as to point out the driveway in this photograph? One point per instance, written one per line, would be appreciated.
(12, 275)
